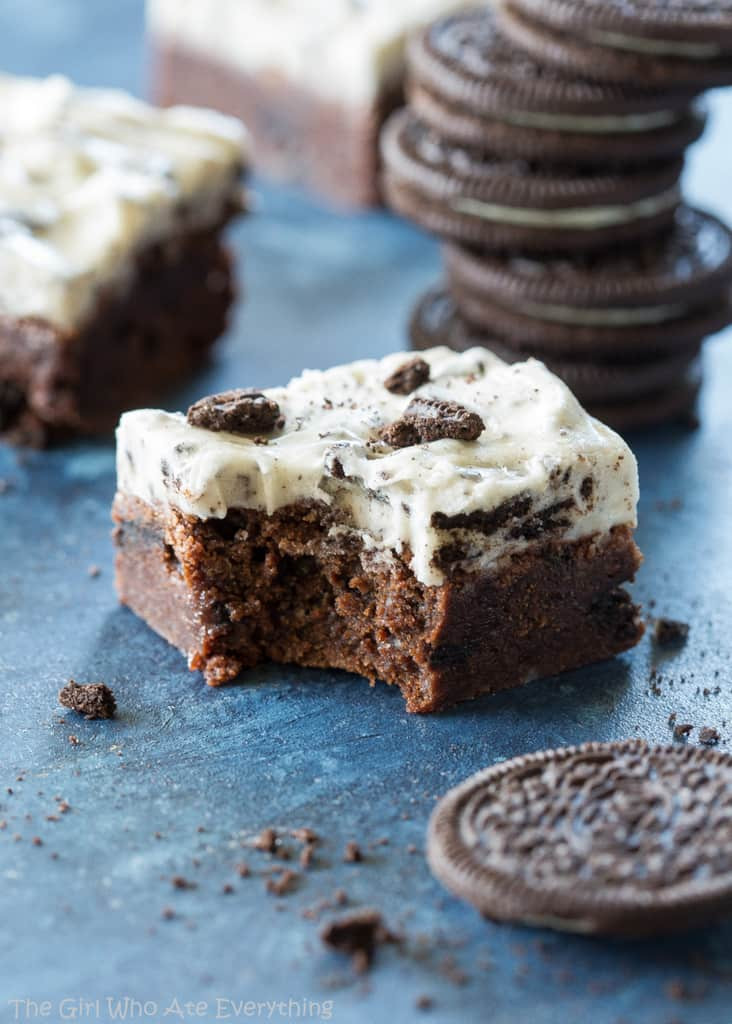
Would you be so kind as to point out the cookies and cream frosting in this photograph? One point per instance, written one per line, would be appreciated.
(90, 176)
(538, 449)
(345, 49)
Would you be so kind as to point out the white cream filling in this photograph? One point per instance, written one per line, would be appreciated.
(582, 218)
(595, 124)
(88, 178)
(655, 47)
(535, 431)
(604, 317)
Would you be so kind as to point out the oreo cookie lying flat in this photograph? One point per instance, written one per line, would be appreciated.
(475, 88)
(607, 838)
(657, 296)
(472, 197)
(626, 396)
(685, 43)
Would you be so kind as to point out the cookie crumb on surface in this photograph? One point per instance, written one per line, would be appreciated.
(682, 730)
(352, 854)
(93, 700)
(283, 884)
(709, 736)
(670, 632)
(179, 882)
(266, 840)
(358, 935)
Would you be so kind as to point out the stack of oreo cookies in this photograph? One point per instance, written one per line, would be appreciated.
(554, 180)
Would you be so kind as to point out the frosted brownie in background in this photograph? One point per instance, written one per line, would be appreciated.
(313, 81)
(450, 524)
(114, 282)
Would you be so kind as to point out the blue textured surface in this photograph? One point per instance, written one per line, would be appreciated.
(289, 747)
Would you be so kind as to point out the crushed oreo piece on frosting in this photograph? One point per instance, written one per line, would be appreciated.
(433, 419)
(408, 377)
(242, 411)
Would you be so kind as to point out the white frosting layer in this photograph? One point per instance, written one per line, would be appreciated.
(582, 218)
(348, 50)
(88, 177)
(535, 431)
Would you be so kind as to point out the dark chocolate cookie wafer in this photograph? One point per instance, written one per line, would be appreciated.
(472, 197)
(475, 88)
(653, 297)
(625, 395)
(607, 838)
(684, 43)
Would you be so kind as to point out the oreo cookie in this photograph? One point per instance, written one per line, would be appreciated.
(687, 43)
(617, 839)
(471, 85)
(655, 297)
(470, 196)
(631, 395)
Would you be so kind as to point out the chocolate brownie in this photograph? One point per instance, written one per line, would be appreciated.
(680, 44)
(314, 82)
(475, 88)
(480, 518)
(115, 282)
(468, 195)
(607, 838)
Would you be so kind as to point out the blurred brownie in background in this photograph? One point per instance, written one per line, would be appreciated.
(114, 282)
(312, 81)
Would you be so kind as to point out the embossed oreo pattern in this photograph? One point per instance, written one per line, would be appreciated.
(619, 838)
(667, 18)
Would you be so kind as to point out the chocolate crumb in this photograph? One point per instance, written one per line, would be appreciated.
(424, 1002)
(94, 700)
(179, 882)
(358, 935)
(284, 884)
(243, 870)
(709, 736)
(670, 632)
(266, 840)
(74, 740)
(305, 835)
(241, 411)
(352, 853)
(167, 914)
(227, 888)
(450, 969)
(682, 730)
(306, 856)
(432, 419)
(408, 377)
(37, 841)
